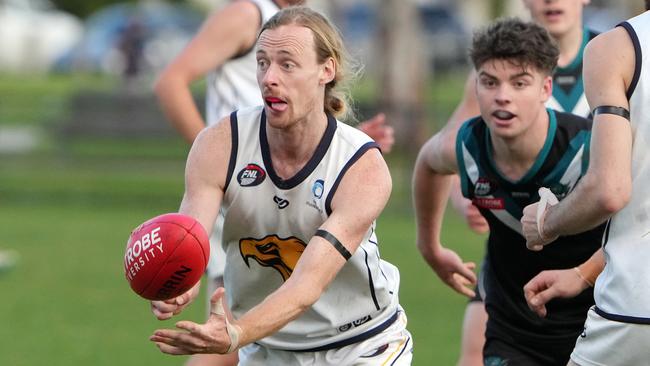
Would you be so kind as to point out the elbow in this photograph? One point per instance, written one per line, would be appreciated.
(611, 194)
(613, 200)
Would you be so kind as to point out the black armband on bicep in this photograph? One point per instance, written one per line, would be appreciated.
(608, 109)
(335, 242)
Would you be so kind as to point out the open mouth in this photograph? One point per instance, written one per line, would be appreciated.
(553, 13)
(276, 104)
(503, 115)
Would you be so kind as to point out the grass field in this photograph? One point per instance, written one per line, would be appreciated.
(68, 211)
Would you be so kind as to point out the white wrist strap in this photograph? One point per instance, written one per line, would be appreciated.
(546, 199)
(233, 330)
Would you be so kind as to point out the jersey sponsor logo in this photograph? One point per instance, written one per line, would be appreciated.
(251, 175)
(489, 203)
(354, 324)
(484, 187)
(318, 188)
(281, 254)
(281, 202)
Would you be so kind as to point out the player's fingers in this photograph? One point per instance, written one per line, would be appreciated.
(459, 284)
(467, 273)
(171, 350)
(189, 326)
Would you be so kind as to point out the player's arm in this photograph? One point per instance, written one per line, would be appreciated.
(606, 187)
(205, 177)
(225, 34)
(358, 201)
(466, 109)
(563, 283)
(434, 167)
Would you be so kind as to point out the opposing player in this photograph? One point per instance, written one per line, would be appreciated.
(563, 21)
(223, 50)
(503, 157)
(303, 275)
(615, 187)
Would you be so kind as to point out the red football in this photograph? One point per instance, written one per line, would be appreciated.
(166, 256)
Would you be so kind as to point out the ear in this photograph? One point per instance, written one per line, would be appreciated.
(547, 87)
(327, 71)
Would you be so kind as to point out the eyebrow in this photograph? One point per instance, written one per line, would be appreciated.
(521, 74)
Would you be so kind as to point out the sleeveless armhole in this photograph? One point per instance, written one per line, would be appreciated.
(362, 150)
(234, 136)
(637, 57)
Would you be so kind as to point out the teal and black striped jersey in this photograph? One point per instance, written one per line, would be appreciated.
(568, 90)
(509, 265)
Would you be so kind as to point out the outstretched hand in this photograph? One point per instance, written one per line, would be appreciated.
(380, 131)
(551, 284)
(215, 336)
(456, 274)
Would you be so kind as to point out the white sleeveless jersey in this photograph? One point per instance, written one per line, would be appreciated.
(623, 289)
(269, 221)
(234, 84)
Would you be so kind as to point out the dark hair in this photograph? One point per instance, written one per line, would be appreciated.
(328, 43)
(524, 43)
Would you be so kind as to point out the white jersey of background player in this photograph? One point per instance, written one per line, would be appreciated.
(232, 86)
(616, 185)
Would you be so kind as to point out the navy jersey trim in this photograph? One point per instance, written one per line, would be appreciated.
(371, 283)
(621, 318)
(234, 136)
(362, 150)
(608, 224)
(313, 162)
(356, 339)
(637, 57)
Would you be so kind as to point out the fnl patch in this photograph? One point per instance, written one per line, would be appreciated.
(251, 175)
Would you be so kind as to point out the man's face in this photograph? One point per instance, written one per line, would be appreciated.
(291, 80)
(557, 16)
(511, 97)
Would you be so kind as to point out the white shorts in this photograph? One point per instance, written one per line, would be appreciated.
(393, 346)
(605, 343)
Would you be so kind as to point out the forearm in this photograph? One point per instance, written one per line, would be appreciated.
(277, 310)
(178, 105)
(582, 210)
(430, 194)
(590, 269)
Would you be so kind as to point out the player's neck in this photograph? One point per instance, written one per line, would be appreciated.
(291, 148)
(569, 44)
(515, 156)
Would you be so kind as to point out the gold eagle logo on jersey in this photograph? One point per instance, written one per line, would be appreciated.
(273, 251)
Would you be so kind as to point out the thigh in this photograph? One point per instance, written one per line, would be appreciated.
(473, 336)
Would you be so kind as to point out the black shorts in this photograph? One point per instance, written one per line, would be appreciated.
(497, 352)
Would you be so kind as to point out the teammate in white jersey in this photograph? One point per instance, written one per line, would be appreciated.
(304, 278)
(563, 21)
(615, 188)
(223, 50)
